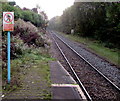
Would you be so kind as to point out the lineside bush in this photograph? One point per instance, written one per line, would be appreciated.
(28, 33)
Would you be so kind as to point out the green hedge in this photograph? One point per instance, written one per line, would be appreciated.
(26, 15)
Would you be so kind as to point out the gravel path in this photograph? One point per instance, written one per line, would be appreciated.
(108, 69)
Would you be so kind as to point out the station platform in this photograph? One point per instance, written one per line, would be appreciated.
(64, 86)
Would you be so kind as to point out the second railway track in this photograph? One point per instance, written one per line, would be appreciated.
(94, 83)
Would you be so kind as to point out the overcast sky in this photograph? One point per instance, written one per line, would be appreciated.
(51, 7)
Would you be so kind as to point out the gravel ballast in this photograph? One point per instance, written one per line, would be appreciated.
(108, 69)
(95, 84)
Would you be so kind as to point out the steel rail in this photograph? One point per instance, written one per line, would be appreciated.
(78, 80)
(89, 63)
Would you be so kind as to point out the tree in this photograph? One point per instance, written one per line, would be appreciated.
(91, 19)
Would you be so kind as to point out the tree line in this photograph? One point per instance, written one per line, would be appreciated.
(26, 15)
(100, 21)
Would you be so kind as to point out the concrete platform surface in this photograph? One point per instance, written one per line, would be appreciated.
(65, 93)
(63, 85)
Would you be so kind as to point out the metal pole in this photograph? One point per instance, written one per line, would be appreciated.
(8, 51)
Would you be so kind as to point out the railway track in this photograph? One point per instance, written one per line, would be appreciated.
(94, 84)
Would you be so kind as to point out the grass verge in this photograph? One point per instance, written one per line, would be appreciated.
(33, 61)
(99, 48)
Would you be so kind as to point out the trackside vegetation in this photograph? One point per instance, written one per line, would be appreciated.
(96, 24)
(97, 20)
(29, 56)
(111, 55)
(26, 15)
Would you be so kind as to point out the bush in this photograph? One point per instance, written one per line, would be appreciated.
(25, 32)
(17, 11)
(28, 33)
(17, 48)
(26, 15)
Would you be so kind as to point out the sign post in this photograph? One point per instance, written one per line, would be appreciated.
(8, 51)
(8, 25)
